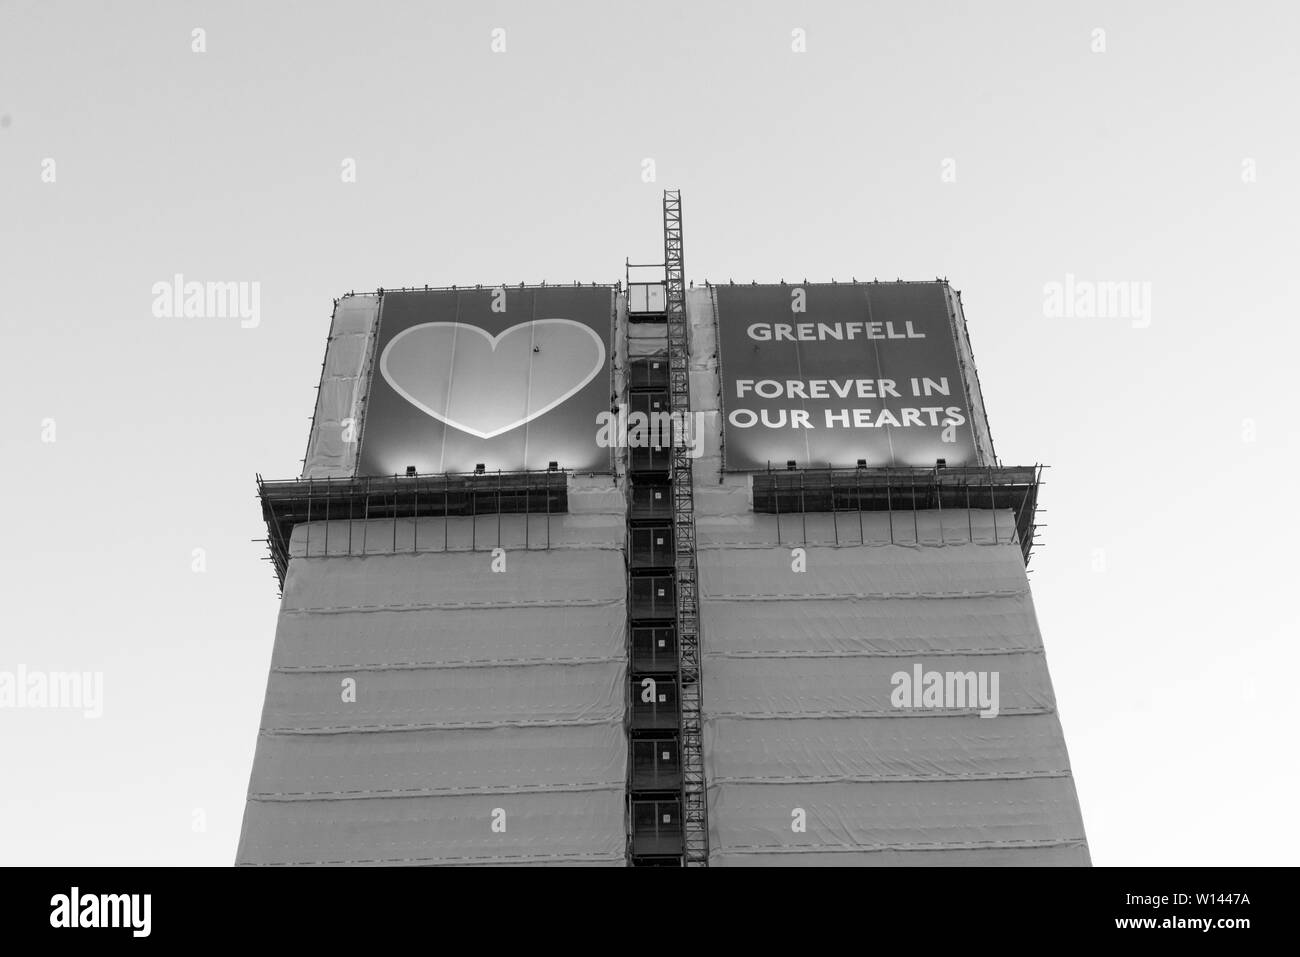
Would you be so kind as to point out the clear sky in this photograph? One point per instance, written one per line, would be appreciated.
(995, 144)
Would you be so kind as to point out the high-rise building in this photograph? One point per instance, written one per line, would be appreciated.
(656, 574)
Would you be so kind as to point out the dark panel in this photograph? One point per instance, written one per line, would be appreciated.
(843, 380)
(656, 827)
(655, 766)
(654, 649)
(512, 380)
(660, 712)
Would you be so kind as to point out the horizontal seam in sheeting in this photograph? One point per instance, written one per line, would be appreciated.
(612, 723)
(937, 846)
(715, 545)
(271, 797)
(449, 861)
(451, 726)
(444, 665)
(892, 778)
(451, 606)
(320, 552)
(909, 653)
(861, 596)
(899, 713)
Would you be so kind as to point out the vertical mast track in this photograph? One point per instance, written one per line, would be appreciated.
(695, 821)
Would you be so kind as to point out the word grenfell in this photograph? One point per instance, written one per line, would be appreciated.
(179, 299)
(822, 331)
(75, 909)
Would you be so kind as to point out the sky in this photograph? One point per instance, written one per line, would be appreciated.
(316, 148)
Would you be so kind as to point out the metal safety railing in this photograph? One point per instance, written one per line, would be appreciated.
(795, 494)
(404, 501)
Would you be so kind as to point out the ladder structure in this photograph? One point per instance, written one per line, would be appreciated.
(695, 819)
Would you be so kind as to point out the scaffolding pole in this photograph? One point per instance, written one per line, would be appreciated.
(695, 819)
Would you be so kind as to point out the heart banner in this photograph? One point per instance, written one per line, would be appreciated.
(509, 379)
(486, 385)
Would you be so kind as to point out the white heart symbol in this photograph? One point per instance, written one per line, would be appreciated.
(486, 385)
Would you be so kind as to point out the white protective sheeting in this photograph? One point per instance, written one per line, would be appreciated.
(858, 819)
(861, 626)
(966, 360)
(801, 723)
(474, 697)
(333, 443)
(797, 670)
(507, 760)
(860, 686)
(646, 339)
(767, 574)
(423, 709)
(568, 827)
(439, 580)
(862, 749)
(705, 385)
(1071, 855)
(450, 637)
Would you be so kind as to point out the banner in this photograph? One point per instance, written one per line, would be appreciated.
(509, 378)
(827, 374)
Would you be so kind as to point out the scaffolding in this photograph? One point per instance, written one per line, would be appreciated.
(397, 498)
(902, 489)
(695, 823)
(668, 819)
